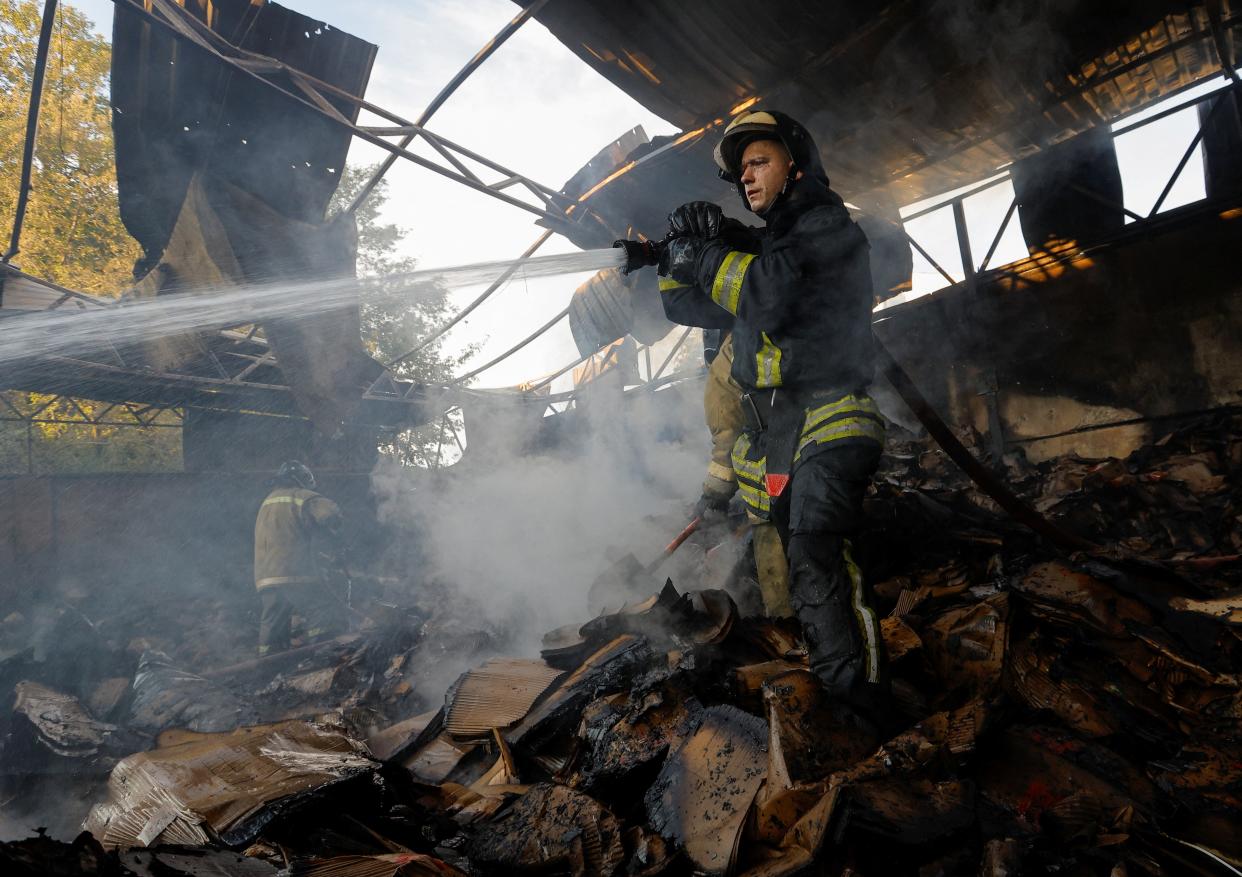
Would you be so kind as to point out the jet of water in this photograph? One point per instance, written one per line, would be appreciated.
(74, 333)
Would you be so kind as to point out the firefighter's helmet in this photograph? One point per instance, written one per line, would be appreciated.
(759, 125)
(763, 125)
(296, 472)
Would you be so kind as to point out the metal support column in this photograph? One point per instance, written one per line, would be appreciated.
(990, 386)
(32, 126)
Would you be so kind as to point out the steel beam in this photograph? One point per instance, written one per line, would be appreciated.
(183, 26)
(445, 93)
(32, 126)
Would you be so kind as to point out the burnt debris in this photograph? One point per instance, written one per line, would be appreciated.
(1053, 713)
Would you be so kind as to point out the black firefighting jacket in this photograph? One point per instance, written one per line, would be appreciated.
(797, 293)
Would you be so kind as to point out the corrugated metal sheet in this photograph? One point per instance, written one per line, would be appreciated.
(617, 363)
(921, 94)
(21, 292)
(178, 110)
(497, 694)
(610, 305)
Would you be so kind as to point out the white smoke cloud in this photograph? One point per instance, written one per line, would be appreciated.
(522, 531)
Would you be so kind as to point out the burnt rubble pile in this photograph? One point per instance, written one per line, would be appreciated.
(133, 677)
(1073, 714)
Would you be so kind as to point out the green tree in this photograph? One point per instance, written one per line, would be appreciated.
(73, 233)
(391, 327)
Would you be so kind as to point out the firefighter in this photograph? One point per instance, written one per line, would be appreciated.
(798, 294)
(293, 524)
(723, 413)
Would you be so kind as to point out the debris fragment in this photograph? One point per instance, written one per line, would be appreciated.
(60, 722)
(1051, 714)
(551, 829)
(702, 796)
(222, 787)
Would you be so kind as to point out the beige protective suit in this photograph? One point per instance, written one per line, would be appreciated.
(723, 411)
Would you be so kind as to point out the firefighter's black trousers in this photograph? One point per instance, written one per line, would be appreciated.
(320, 612)
(816, 516)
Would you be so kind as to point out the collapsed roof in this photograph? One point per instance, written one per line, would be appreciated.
(921, 95)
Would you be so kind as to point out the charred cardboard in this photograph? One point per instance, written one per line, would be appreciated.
(809, 736)
(223, 786)
(62, 725)
(1036, 677)
(551, 829)
(1063, 595)
(405, 864)
(705, 790)
(194, 862)
(912, 812)
(625, 737)
(497, 694)
(611, 668)
(966, 645)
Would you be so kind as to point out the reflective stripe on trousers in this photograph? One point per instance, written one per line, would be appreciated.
(868, 624)
(853, 416)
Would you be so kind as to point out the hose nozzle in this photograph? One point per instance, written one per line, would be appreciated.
(640, 254)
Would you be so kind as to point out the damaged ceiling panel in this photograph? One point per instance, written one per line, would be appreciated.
(921, 94)
(225, 182)
(178, 112)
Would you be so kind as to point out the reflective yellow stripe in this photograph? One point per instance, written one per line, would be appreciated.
(754, 472)
(668, 283)
(849, 427)
(755, 498)
(767, 364)
(719, 470)
(837, 429)
(727, 287)
(741, 464)
(867, 623)
(276, 500)
(752, 483)
(863, 404)
(750, 477)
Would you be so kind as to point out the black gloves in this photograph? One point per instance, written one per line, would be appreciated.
(712, 508)
(700, 219)
(711, 503)
(680, 259)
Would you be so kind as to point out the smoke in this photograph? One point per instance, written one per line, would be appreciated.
(515, 534)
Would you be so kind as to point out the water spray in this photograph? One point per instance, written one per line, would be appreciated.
(72, 333)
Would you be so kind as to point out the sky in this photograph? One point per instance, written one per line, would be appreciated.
(533, 107)
(536, 108)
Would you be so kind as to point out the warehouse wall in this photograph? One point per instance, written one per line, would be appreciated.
(1147, 328)
(169, 531)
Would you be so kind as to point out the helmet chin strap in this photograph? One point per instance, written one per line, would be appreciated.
(789, 181)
